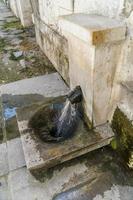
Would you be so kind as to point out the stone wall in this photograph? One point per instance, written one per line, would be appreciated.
(25, 12)
(51, 39)
(54, 46)
(13, 6)
(22, 9)
(68, 55)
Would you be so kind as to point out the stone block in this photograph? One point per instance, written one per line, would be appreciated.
(51, 10)
(4, 190)
(126, 73)
(44, 155)
(93, 29)
(15, 154)
(75, 174)
(54, 46)
(81, 71)
(112, 9)
(95, 44)
(24, 12)
(44, 86)
(3, 160)
(14, 8)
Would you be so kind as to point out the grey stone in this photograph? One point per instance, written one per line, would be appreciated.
(3, 159)
(4, 190)
(16, 32)
(15, 154)
(41, 155)
(23, 63)
(47, 86)
(18, 54)
(16, 41)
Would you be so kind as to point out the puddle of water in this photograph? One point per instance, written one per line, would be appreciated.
(9, 112)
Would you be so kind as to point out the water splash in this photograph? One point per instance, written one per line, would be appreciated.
(67, 121)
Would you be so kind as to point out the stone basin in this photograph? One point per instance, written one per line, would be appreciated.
(44, 122)
(41, 154)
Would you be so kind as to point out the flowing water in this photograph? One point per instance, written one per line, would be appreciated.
(67, 122)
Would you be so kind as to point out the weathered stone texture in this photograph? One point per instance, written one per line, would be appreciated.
(13, 5)
(95, 44)
(54, 46)
(25, 12)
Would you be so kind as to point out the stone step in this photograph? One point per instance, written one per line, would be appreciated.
(40, 155)
(16, 95)
(86, 170)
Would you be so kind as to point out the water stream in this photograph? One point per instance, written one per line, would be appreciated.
(68, 120)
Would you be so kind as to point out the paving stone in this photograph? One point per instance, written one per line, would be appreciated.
(19, 179)
(85, 178)
(15, 154)
(3, 159)
(4, 190)
(47, 86)
(24, 186)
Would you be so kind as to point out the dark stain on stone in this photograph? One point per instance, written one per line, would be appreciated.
(123, 130)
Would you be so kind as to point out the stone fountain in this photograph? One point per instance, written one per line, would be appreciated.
(54, 131)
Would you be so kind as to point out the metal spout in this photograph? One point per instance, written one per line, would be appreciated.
(75, 96)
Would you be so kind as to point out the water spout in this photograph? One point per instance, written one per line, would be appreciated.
(70, 115)
(75, 96)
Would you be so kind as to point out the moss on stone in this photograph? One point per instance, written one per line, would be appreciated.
(123, 129)
(2, 44)
(10, 25)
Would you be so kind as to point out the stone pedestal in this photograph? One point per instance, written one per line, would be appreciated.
(25, 12)
(94, 53)
(13, 6)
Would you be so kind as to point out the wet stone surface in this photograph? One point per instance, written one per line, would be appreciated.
(42, 155)
(9, 105)
(33, 90)
(20, 58)
(17, 46)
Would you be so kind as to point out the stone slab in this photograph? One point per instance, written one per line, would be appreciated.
(26, 92)
(54, 46)
(93, 29)
(88, 177)
(22, 182)
(4, 190)
(15, 154)
(112, 9)
(115, 192)
(24, 12)
(47, 86)
(42, 155)
(25, 186)
(3, 160)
